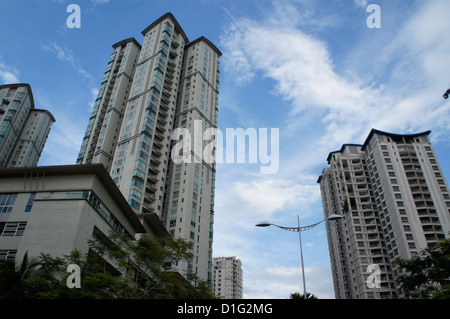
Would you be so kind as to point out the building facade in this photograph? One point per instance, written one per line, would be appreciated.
(395, 201)
(228, 278)
(56, 209)
(23, 128)
(102, 132)
(151, 97)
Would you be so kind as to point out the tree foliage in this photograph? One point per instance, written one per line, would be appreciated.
(428, 274)
(297, 295)
(141, 271)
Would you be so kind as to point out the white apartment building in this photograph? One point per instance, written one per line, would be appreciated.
(23, 128)
(147, 93)
(228, 278)
(102, 132)
(395, 201)
(56, 209)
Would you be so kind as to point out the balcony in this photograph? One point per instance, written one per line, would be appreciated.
(164, 105)
(147, 208)
(150, 196)
(405, 149)
(161, 122)
(159, 136)
(162, 113)
(160, 128)
(156, 153)
(412, 168)
(166, 93)
(171, 66)
(153, 168)
(371, 229)
(165, 98)
(150, 188)
(173, 54)
(175, 44)
(170, 76)
(167, 85)
(152, 178)
(154, 161)
(157, 144)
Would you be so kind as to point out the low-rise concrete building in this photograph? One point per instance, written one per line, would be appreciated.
(56, 209)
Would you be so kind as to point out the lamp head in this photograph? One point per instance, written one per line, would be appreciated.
(263, 224)
(334, 217)
(446, 94)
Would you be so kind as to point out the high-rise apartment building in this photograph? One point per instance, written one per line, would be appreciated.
(154, 99)
(23, 128)
(102, 132)
(228, 279)
(395, 202)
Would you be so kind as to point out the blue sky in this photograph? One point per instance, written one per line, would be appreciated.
(311, 68)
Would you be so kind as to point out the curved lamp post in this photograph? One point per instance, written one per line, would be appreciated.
(299, 230)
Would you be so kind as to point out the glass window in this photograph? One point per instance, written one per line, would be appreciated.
(13, 229)
(30, 202)
(7, 202)
(7, 255)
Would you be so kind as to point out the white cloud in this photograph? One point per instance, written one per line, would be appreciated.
(300, 65)
(280, 282)
(94, 93)
(403, 93)
(264, 198)
(64, 141)
(361, 3)
(303, 70)
(100, 2)
(8, 74)
(66, 135)
(241, 204)
(65, 54)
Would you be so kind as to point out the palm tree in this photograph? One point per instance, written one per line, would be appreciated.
(12, 276)
(297, 295)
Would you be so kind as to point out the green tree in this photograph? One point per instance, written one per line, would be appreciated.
(12, 276)
(145, 265)
(297, 295)
(428, 274)
(150, 260)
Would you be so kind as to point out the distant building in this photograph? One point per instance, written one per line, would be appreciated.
(395, 202)
(23, 128)
(228, 278)
(55, 209)
(147, 92)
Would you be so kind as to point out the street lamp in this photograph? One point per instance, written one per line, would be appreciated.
(446, 94)
(299, 230)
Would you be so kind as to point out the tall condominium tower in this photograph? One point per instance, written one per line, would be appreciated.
(23, 128)
(154, 100)
(395, 202)
(228, 280)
